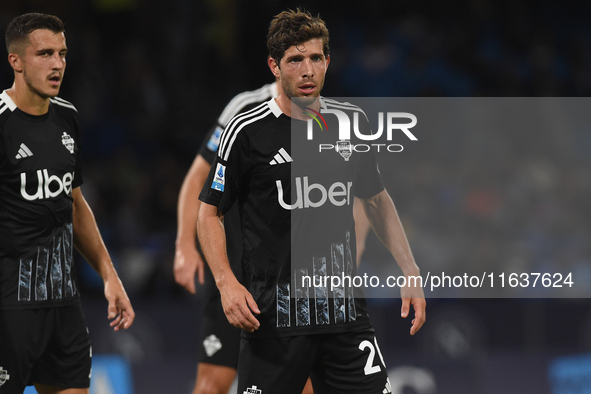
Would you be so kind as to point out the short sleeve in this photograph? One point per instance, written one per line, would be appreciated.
(224, 182)
(210, 144)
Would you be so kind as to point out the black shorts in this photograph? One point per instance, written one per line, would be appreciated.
(220, 341)
(338, 363)
(44, 345)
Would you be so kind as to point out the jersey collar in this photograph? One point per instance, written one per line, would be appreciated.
(4, 97)
(277, 111)
(275, 107)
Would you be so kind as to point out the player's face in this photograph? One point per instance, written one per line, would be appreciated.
(302, 71)
(44, 62)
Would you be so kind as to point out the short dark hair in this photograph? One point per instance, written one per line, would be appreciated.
(290, 28)
(20, 27)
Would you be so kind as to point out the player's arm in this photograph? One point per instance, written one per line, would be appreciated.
(362, 227)
(89, 243)
(187, 260)
(237, 302)
(384, 219)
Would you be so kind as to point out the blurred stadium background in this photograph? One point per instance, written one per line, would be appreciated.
(149, 77)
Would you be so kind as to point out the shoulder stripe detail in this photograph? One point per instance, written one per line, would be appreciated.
(63, 103)
(225, 133)
(345, 106)
(61, 100)
(237, 124)
(235, 134)
(6, 102)
(341, 105)
(241, 100)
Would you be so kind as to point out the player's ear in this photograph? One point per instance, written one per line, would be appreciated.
(327, 61)
(274, 66)
(15, 62)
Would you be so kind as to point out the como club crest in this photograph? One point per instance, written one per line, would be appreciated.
(4, 376)
(345, 149)
(68, 142)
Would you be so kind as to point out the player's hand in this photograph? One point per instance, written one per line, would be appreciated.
(187, 263)
(413, 295)
(239, 306)
(419, 305)
(120, 311)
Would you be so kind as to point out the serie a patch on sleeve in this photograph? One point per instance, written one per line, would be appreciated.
(220, 178)
(214, 141)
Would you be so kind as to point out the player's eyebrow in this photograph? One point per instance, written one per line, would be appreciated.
(51, 50)
(294, 57)
(300, 56)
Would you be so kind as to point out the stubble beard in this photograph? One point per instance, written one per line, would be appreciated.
(38, 92)
(300, 101)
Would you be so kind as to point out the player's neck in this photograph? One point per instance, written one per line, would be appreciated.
(28, 101)
(292, 110)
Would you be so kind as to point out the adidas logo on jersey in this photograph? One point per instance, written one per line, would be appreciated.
(23, 151)
(253, 390)
(281, 157)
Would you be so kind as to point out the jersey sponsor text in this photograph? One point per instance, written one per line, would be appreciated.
(337, 194)
(48, 186)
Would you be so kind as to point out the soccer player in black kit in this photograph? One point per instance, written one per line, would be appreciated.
(220, 341)
(291, 332)
(43, 215)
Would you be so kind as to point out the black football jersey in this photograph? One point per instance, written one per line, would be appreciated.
(240, 103)
(39, 167)
(296, 206)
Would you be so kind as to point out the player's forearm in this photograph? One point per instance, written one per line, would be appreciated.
(384, 219)
(189, 203)
(212, 238)
(187, 214)
(87, 238)
(362, 227)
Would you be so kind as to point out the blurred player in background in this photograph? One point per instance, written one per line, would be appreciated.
(43, 215)
(289, 340)
(220, 341)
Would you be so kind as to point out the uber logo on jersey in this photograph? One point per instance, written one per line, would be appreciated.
(338, 194)
(48, 186)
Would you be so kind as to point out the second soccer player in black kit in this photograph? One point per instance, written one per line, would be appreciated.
(296, 210)
(43, 216)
